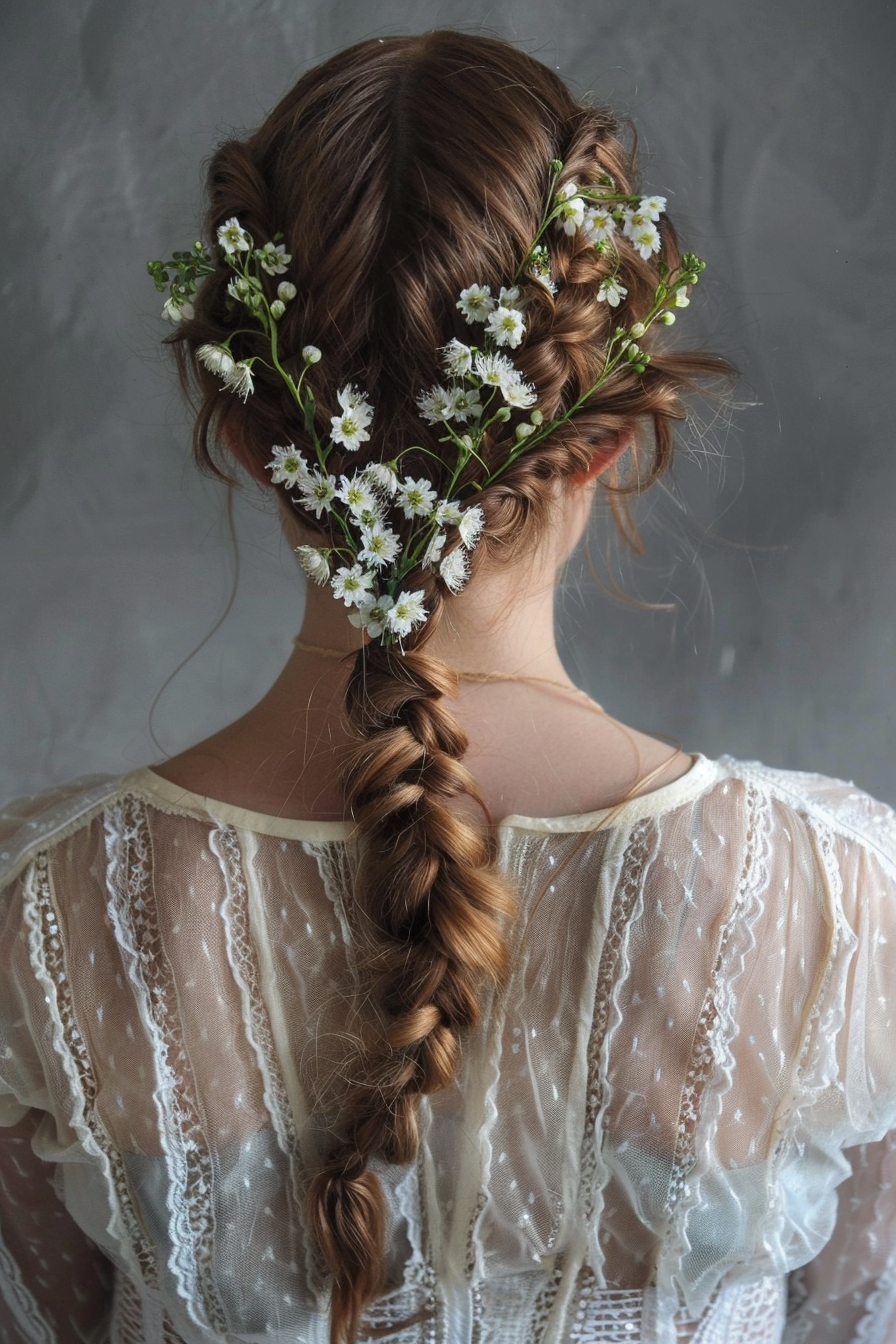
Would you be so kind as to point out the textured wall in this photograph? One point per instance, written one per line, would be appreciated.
(770, 126)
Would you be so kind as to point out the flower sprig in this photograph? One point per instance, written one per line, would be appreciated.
(370, 563)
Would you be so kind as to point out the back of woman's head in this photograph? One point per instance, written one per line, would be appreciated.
(398, 173)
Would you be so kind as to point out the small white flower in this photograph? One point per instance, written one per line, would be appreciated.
(457, 358)
(175, 310)
(416, 498)
(646, 240)
(274, 259)
(599, 224)
(288, 467)
(492, 369)
(464, 405)
(455, 570)
(499, 371)
(351, 398)
(310, 354)
(352, 584)
(318, 492)
(572, 209)
(216, 359)
(682, 299)
(516, 391)
(611, 291)
(476, 302)
(239, 379)
(633, 220)
(372, 616)
(434, 405)
(356, 492)
(315, 563)
(286, 290)
(233, 237)
(382, 476)
(349, 429)
(448, 513)
(506, 326)
(433, 552)
(510, 298)
(381, 545)
(652, 206)
(470, 526)
(406, 612)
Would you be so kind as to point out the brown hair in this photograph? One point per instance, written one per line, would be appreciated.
(399, 172)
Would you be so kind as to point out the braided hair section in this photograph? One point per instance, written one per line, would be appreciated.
(434, 912)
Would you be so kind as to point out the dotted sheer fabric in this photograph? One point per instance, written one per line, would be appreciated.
(678, 1121)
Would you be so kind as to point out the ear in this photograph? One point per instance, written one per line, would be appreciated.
(603, 456)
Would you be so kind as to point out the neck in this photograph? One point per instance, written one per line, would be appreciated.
(498, 626)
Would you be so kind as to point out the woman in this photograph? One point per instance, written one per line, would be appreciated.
(426, 1000)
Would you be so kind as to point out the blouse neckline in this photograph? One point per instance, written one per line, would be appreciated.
(172, 797)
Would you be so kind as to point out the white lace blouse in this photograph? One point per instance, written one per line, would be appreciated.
(677, 1122)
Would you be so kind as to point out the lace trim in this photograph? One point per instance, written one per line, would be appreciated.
(60, 820)
(134, 918)
(543, 1306)
(48, 952)
(638, 853)
(875, 1325)
(716, 1022)
(22, 1306)
(137, 1319)
(602, 1315)
(224, 844)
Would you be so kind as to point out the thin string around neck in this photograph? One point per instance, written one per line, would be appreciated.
(339, 655)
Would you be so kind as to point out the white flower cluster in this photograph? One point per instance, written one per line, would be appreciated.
(368, 561)
(359, 505)
(581, 210)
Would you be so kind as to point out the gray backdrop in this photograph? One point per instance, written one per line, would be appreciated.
(770, 126)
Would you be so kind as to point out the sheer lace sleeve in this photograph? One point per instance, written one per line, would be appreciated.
(848, 1291)
(55, 1286)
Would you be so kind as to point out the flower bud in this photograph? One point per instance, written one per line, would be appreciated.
(667, 319)
(524, 430)
(638, 329)
(286, 291)
(633, 350)
(503, 413)
(311, 354)
(537, 417)
(277, 309)
(681, 297)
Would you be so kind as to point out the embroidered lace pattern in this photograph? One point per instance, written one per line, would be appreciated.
(49, 955)
(679, 1112)
(20, 1303)
(637, 856)
(136, 919)
(225, 846)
